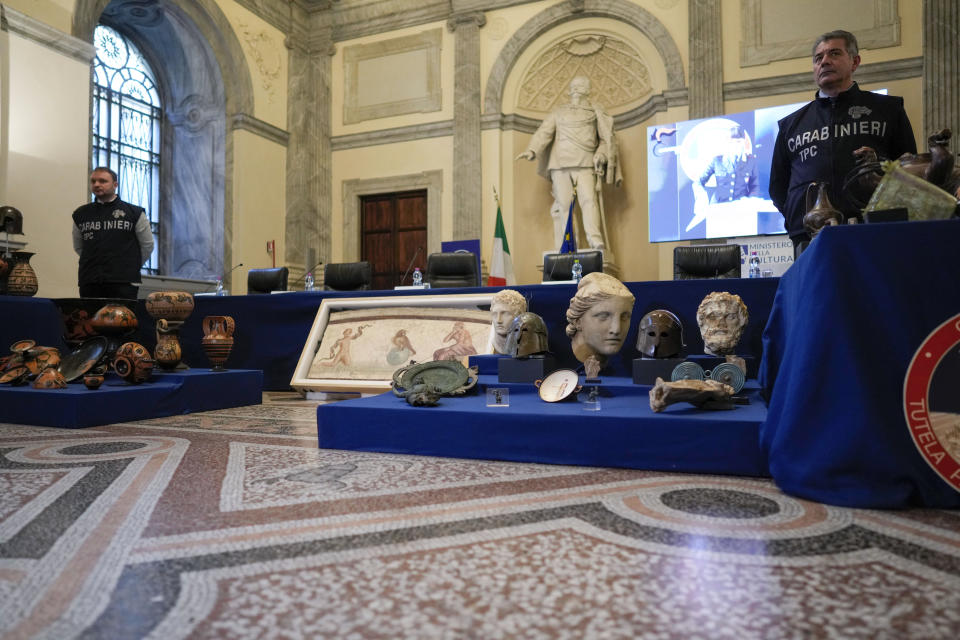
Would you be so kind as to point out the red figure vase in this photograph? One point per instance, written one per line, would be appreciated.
(217, 339)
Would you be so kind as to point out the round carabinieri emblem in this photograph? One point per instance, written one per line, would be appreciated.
(931, 403)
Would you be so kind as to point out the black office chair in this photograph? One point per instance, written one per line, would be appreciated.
(557, 266)
(458, 269)
(267, 280)
(348, 276)
(706, 261)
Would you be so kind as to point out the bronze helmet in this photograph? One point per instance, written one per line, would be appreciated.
(660, 335)
(528, 337)
(11, 220)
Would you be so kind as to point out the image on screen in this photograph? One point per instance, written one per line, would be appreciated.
(710, 178)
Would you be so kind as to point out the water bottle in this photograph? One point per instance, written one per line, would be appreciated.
(417, 277)
(220, 291)
(308, 282)
(754, 265)
(577, 271)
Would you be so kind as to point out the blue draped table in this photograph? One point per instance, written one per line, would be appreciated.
(165, 394)
(624, 433)
(847, 319)
(272, 329)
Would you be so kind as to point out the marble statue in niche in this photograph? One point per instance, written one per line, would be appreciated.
(577, 151)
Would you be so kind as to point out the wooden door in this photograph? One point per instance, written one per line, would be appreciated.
(393, 231)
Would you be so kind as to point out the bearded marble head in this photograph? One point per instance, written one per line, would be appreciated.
(722, 317)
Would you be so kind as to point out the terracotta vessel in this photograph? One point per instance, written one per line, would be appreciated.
(50, 379)
(77, 314)
(133, 362)
(93, 380)
(22, 280)
(175, 306)
(217, 339)
(114, 320)
(167, 353)
(37, 359)
(820, 211)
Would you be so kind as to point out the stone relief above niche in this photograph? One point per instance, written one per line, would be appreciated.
(392, 77)
(618, 74)
(266, 55)
(786, 29)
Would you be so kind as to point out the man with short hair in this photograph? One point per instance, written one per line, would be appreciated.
(816, 142)
(113, 239)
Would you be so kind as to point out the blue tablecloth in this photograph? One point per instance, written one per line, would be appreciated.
(845, 324)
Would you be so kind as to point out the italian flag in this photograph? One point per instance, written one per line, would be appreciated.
(501, 266)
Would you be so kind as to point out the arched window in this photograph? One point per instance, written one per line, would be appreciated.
(126, 125)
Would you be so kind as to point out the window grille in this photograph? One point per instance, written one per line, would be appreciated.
(126, 125)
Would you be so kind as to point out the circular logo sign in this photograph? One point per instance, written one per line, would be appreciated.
(931, 403)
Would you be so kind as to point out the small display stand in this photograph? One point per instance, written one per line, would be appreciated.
(498, 397)
(525, 369)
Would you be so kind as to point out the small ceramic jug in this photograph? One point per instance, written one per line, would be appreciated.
(168, 352)
(217, 339)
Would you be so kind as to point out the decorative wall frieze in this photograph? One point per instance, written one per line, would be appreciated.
(393, 136)
(558, 14)
(799, 82)
(266, 54)
(618, 73)
(23, 25)
(245, 122)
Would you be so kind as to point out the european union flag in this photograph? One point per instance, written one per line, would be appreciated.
(569, 241)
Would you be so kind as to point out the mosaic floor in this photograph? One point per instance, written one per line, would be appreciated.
(232, 524)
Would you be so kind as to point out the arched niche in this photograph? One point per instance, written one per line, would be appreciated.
(633, 15)
(205, 86)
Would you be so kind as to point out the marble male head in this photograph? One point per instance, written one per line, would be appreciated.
(505, 305)
(722, 317)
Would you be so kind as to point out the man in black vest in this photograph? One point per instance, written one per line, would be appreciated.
(816, 142)
(112, 238)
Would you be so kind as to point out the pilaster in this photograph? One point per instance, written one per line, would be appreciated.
(466, 125)
(309, 180)
(941, 68)
(706, 61)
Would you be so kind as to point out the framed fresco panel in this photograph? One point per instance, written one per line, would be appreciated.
(356, 344)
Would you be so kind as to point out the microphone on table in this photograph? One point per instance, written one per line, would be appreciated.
(410, 266)
(232, 269)
(310, 270)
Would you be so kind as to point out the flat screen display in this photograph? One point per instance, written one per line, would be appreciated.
(710, 178)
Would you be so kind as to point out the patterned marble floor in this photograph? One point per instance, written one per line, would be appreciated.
(232, 524)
